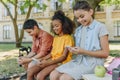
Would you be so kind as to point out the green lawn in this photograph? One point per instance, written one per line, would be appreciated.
(7, 47)
(9, 65)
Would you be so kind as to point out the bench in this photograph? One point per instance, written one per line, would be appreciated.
(93, 77)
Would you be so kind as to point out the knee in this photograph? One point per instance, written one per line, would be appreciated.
(30, 70)
(40, 76)
(65, 76)
(54, 75)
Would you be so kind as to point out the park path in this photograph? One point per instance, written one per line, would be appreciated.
(11, 53)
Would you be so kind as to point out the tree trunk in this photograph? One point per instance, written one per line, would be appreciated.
(18, 43)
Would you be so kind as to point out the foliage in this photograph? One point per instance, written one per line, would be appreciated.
(110, 2)
(61, 1)
(29, 4)
(25, 7)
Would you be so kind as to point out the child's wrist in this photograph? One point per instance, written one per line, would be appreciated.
(34, 59)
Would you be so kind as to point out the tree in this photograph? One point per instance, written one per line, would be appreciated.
(110, 2)
(29, 4)
(26, 4)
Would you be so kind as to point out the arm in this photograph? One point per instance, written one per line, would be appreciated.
(59, 60)
(62, 58)
(46, 45)
(46, 57)
(64, 53)
(31, 54)
(103, 53)
(26, 59)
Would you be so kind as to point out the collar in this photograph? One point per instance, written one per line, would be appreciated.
(91, 26)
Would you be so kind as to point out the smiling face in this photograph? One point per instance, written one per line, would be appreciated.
(83, 17)
(57, 27)
(32, 32)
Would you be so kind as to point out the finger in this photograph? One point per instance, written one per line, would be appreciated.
(69, 48)
(40, 63)
(75, 48)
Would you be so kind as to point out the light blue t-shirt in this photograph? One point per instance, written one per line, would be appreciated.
(92, 38)
(91, 42)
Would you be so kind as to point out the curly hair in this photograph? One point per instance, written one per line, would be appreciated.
(67, 24)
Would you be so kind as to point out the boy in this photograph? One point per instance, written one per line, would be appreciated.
(41, 46)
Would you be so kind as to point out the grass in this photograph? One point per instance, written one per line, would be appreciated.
(9, 65)
(115, 53)
(10, 46)
(7, 47)
(115, 49)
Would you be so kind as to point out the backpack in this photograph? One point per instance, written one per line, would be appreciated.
(114, 64)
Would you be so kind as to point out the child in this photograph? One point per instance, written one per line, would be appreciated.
(41, 44)
(91, 46)
(62, 26)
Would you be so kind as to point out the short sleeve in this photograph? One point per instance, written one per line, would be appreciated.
(69, 41)
(103, 30)
(46, 43)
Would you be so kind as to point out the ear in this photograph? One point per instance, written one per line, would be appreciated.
(35, 27)
(91, 12)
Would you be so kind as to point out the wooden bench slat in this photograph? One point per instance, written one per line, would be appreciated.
(93, 77)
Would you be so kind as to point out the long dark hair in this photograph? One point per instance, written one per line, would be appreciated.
(67, 24)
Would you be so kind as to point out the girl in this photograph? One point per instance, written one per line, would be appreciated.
(91, 46)
(62, 26)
